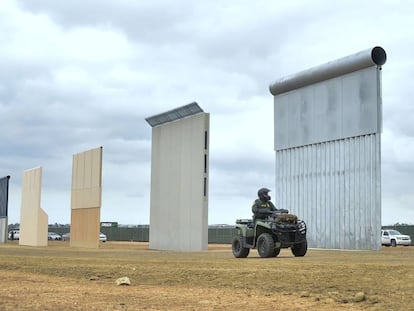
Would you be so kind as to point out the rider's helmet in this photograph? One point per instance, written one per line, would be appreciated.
(263, 194)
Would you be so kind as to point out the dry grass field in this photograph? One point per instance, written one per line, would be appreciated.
(59, 277)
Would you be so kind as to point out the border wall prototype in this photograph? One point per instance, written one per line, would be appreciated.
(328, 124)
(33, 220)
(4, 200)
(179, 179)
(86, 198)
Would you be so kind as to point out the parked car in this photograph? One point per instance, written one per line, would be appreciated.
(54, 236)
(14, 235)
(102, 237)
(66, 236)
(390, 237)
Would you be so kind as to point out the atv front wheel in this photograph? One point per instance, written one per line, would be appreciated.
(276, 252)
(265, 245)
(237, 246)
(299, 250)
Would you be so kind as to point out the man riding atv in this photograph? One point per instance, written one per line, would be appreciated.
(262, 206)
(270, 230)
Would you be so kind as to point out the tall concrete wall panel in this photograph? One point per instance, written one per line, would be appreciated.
(86, 179)
(179, 184)
(33, 220)
(335, 187)
(4, 196)
(86, 198)
(4, 199)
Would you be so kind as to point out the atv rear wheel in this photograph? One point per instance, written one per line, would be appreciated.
(299, 250)
(265, 245)
(237, 247)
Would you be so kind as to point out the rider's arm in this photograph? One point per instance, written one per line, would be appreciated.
(272, 207)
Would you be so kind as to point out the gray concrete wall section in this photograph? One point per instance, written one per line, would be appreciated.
(179, 184)
(4, 199)
(4, 195)
(328, 123)
(3, 230)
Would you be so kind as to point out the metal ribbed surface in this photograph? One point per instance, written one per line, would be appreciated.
(175, 114)
(336, 188)
(4, 194)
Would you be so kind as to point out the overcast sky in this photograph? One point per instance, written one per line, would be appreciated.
(76, 75)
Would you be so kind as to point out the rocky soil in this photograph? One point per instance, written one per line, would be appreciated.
(59, 277)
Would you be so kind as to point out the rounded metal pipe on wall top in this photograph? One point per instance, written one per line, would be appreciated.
(372, 57)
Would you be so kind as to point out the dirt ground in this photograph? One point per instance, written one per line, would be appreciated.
(59, 277)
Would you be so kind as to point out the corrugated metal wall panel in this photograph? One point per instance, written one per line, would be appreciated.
(336, 188)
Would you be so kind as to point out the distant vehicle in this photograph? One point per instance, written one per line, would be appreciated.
(390, 237)
(14, 235)
(54, 236)
(66, 236)
(102, 237)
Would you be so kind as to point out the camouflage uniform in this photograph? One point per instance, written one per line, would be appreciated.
(262, 209)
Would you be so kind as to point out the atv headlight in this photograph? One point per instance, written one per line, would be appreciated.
(301, 226)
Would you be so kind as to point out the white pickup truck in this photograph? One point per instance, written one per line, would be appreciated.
(390, 237)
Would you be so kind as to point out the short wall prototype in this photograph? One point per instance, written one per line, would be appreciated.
(179, 180)
(86, 198)
(33, 220)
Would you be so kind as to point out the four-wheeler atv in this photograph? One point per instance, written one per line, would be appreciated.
(278, 230)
